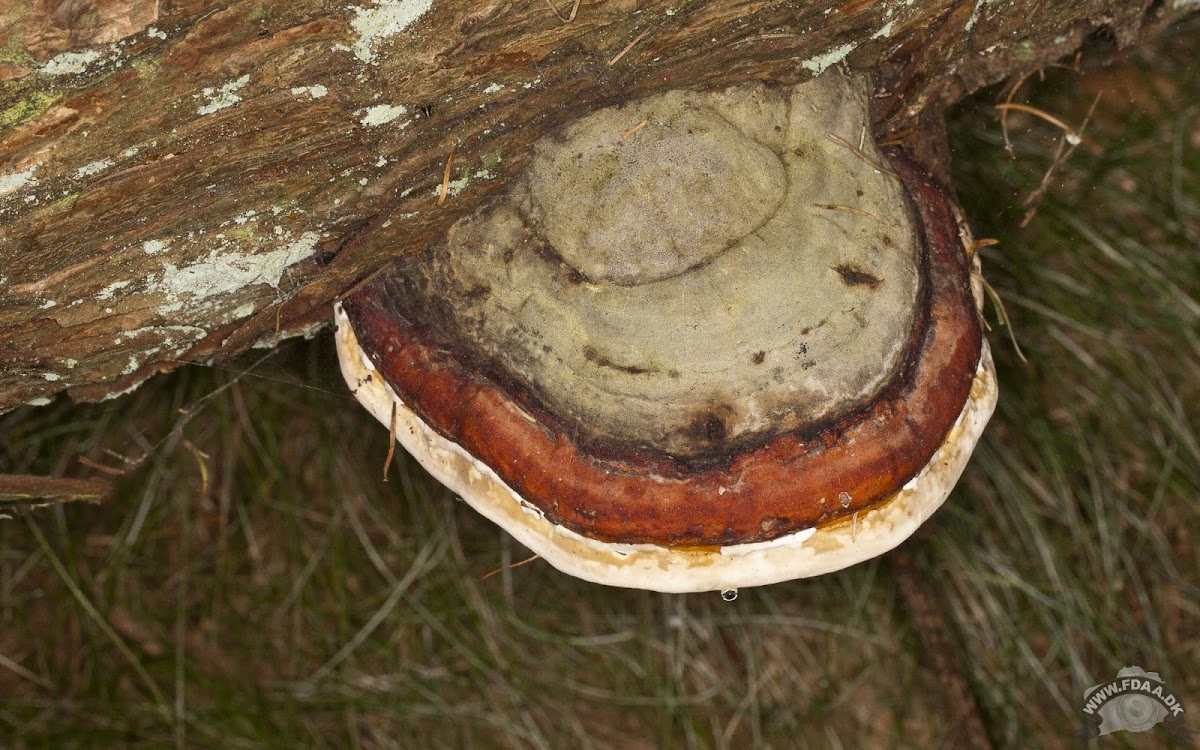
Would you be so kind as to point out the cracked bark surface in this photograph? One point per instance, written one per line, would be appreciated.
(180, 181)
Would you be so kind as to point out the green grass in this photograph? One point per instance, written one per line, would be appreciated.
(253, 583)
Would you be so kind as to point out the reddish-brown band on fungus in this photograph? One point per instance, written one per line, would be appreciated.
(795, 481)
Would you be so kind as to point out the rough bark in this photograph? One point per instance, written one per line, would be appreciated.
(182, 180)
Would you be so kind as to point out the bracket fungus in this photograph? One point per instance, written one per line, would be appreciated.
(709, 340)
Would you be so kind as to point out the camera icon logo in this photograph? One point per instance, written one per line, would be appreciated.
(1134, 701)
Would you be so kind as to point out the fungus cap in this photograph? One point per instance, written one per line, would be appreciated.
(710, 340)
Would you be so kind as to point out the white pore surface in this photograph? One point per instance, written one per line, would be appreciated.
(647, 566)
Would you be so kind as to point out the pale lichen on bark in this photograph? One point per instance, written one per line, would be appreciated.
(130, 130)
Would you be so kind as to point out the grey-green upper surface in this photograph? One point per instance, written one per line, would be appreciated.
(726, 269)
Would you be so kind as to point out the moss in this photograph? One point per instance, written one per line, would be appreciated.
(1026, 50)
(27, 109)
(490, 161)
(14, 53)
(65, 203)
(146, 69)
(679, 8)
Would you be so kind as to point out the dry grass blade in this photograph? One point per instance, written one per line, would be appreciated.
(503, 568)
(446, 176)
(979, 245)
(998, 303)
(102, 468)
(847, 209)
(429, 556)
(858, 152)
(86, 605)
(201, 462)
(17, 669)
(1040, 113)
(633, 130)
(1013, 87)
(628, 47)
(1070, 141)
(19, 487)
(391, 453)
(567, 18)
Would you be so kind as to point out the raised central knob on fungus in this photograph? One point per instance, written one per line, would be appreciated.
(734, 345)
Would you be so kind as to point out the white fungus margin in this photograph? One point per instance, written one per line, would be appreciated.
(803, 554)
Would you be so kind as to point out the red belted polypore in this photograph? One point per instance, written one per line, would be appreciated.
(707, 340)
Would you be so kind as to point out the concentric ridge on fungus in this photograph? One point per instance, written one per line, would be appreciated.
(678, 351)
